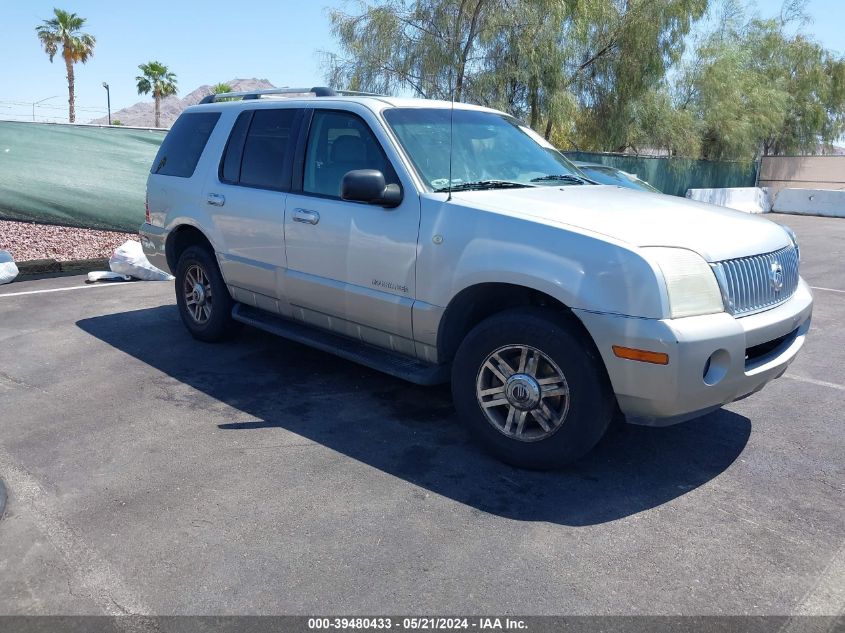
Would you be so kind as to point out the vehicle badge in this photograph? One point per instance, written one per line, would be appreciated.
(776, 276)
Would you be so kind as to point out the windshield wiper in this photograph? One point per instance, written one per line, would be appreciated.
(562, 178)
(478, 185)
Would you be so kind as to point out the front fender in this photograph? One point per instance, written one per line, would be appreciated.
(581, 270)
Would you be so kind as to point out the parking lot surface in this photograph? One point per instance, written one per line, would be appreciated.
(150, 473)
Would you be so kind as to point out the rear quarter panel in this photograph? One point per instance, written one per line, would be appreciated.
(174, 201)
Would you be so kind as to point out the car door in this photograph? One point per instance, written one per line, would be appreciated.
(248, 195)
(350, 265)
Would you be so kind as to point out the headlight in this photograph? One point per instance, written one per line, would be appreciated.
(794, 239)
(690, 282)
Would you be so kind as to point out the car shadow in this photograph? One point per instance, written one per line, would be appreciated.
(413, 432)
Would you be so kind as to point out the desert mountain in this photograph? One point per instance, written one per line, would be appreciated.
(142, 114)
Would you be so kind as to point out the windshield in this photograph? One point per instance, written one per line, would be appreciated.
(613, 176)
(486, 148)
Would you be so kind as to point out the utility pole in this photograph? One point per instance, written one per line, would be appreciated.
(108, 99)
(35, 103)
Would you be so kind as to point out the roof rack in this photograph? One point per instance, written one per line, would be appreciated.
(317, 91)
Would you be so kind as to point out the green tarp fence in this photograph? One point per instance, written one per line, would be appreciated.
(675, 175)
(75, 175)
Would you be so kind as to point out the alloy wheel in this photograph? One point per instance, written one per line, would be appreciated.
(523, 393)
(196, 288)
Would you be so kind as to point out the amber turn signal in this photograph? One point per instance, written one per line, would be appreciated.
(629, 353)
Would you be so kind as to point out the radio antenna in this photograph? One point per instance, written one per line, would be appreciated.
(451, 128)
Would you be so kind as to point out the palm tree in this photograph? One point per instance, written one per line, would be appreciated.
(77, 46)
(156, 78)
(221, 89)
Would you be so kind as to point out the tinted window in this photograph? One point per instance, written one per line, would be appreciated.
(338, 143)
(182, 147)
(267, 145)
(230, 168)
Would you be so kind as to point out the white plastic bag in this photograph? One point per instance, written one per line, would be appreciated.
(8, 270)
(129, 259)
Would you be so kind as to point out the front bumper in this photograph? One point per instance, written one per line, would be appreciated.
(743, 353)
(153, 241)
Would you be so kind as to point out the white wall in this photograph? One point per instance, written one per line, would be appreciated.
(747, 199)
(811, 202)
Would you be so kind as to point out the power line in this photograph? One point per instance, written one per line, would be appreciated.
(50, 106)
(6, 115)
(28, 118)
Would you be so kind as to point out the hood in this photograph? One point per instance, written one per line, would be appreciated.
(639, 218)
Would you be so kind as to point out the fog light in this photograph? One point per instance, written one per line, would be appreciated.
(716, 367)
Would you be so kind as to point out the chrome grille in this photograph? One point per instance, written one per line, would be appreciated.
(749, 284)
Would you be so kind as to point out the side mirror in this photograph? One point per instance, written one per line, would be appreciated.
(367, 185)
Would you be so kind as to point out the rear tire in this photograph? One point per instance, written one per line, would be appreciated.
(202, 296)
(532, 391)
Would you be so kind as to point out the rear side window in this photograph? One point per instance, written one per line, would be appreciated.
(230, 168)
(259, 150)
(182, 147)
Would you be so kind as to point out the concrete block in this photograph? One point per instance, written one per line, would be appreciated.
(747, 199)
(830, 203)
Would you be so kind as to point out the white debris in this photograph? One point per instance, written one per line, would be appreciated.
(129, 259)
(105, 275)
(8, 269)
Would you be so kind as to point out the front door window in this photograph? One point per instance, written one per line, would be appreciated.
(339, 143)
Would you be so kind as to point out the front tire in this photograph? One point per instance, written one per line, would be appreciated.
(532, 391)
(202, 296)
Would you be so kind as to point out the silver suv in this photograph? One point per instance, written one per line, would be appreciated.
(437, 242)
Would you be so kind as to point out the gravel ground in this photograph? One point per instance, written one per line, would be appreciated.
(27, 241)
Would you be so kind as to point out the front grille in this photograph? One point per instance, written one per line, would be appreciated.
(750, 284)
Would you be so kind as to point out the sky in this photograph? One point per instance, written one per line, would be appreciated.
(205, 42)
(202, 42)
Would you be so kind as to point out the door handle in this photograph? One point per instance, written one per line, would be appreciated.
(216, 199)
(306, 216)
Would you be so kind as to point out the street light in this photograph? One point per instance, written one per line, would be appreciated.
(108, 99)
(35, 103)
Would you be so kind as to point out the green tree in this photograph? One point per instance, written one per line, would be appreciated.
(622, 51)
(812, 81)
(657, 124)
(759, 87)
(155, 77)
(735, 106)
(522, 68)
(220, 89)
(537, 59)
(425, 46)
(64, 29)
(607, 74)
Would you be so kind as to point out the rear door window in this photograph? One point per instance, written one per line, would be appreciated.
(182, 147)
(230, 166)
(265, 156)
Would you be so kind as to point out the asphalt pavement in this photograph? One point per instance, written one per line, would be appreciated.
(150, 473)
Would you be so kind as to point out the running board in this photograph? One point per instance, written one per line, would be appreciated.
(398, 365)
